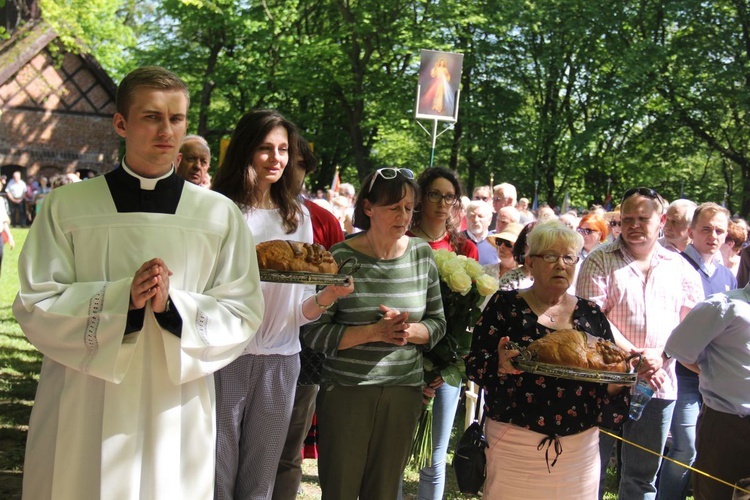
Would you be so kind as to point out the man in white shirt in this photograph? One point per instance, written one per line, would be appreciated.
(15, 191)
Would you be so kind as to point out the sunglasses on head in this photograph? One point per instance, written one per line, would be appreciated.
(642, 191)
(390, 173)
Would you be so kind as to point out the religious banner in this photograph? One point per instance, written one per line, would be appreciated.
(438, 88)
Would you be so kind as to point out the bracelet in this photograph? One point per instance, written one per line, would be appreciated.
(321, 306)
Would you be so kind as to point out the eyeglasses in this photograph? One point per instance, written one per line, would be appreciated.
(586, 231)
(568, 259)
(498, 198)
(615, 223)
(643, 191)
(436, 197)
(390, 173)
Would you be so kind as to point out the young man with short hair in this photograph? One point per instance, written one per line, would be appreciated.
(136, 286)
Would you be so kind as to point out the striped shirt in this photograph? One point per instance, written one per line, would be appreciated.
(409, 283)
(644, 308)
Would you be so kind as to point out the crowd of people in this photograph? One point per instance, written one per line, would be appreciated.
(171, 370)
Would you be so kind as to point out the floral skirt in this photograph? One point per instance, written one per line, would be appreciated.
(517, 467)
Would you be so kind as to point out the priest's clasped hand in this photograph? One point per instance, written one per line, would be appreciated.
(151, 283)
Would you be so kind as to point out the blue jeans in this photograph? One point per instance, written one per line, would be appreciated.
(432, 479)
(638, 469)
(674, 478)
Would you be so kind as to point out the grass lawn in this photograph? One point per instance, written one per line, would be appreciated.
(20, 363)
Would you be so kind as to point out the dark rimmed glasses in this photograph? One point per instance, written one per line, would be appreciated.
(615, 223)
(568, 259)
(436, 197)
(390, 173)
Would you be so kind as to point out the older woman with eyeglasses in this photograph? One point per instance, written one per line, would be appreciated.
(371, 395)
(542, 434)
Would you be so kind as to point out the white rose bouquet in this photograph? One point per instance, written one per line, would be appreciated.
(464, 287)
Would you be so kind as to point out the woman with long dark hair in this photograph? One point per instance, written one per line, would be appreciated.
(433, 222)
(255, 393)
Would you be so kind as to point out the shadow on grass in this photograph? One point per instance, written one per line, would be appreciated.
(10, 484)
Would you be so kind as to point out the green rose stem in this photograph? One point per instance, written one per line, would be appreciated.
(463, 286)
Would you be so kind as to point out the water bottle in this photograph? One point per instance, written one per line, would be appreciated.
(642, 393)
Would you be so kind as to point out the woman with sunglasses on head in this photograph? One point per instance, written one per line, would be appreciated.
(534, 418)
(255, 393)
(433, 222)
(371, 395)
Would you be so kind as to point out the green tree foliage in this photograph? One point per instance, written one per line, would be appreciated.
(96, 26)
(577, 95)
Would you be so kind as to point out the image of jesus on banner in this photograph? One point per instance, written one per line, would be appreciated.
(439, 76)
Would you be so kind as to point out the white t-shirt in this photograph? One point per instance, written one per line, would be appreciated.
(282, 317)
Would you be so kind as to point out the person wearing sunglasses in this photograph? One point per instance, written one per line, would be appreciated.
(594, 230)
(520, 277)
(615, 225)
(644, 290)
(503, 243)
(371, 394)
(255, 393)
(542, 431)
(433, 223)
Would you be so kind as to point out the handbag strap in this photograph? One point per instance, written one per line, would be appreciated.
(478, 407)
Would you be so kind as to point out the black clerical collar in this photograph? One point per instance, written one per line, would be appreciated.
(130, 195)
(147, 184)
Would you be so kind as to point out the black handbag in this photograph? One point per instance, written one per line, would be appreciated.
(469, 460)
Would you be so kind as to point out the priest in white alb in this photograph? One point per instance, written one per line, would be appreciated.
(135, 286)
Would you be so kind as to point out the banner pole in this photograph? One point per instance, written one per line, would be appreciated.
(434, 141)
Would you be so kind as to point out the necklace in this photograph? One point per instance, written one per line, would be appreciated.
(539, 301)
(442, 235)
(372, 247)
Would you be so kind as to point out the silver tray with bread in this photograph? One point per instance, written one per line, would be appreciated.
(575, 355)
(284, 261)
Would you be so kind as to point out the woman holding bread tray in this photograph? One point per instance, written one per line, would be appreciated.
(371, 394)
(542, 431)
(255, 393)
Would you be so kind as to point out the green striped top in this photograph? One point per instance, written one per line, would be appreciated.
(407, 283)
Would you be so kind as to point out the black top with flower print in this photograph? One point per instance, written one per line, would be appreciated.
(548, 405)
